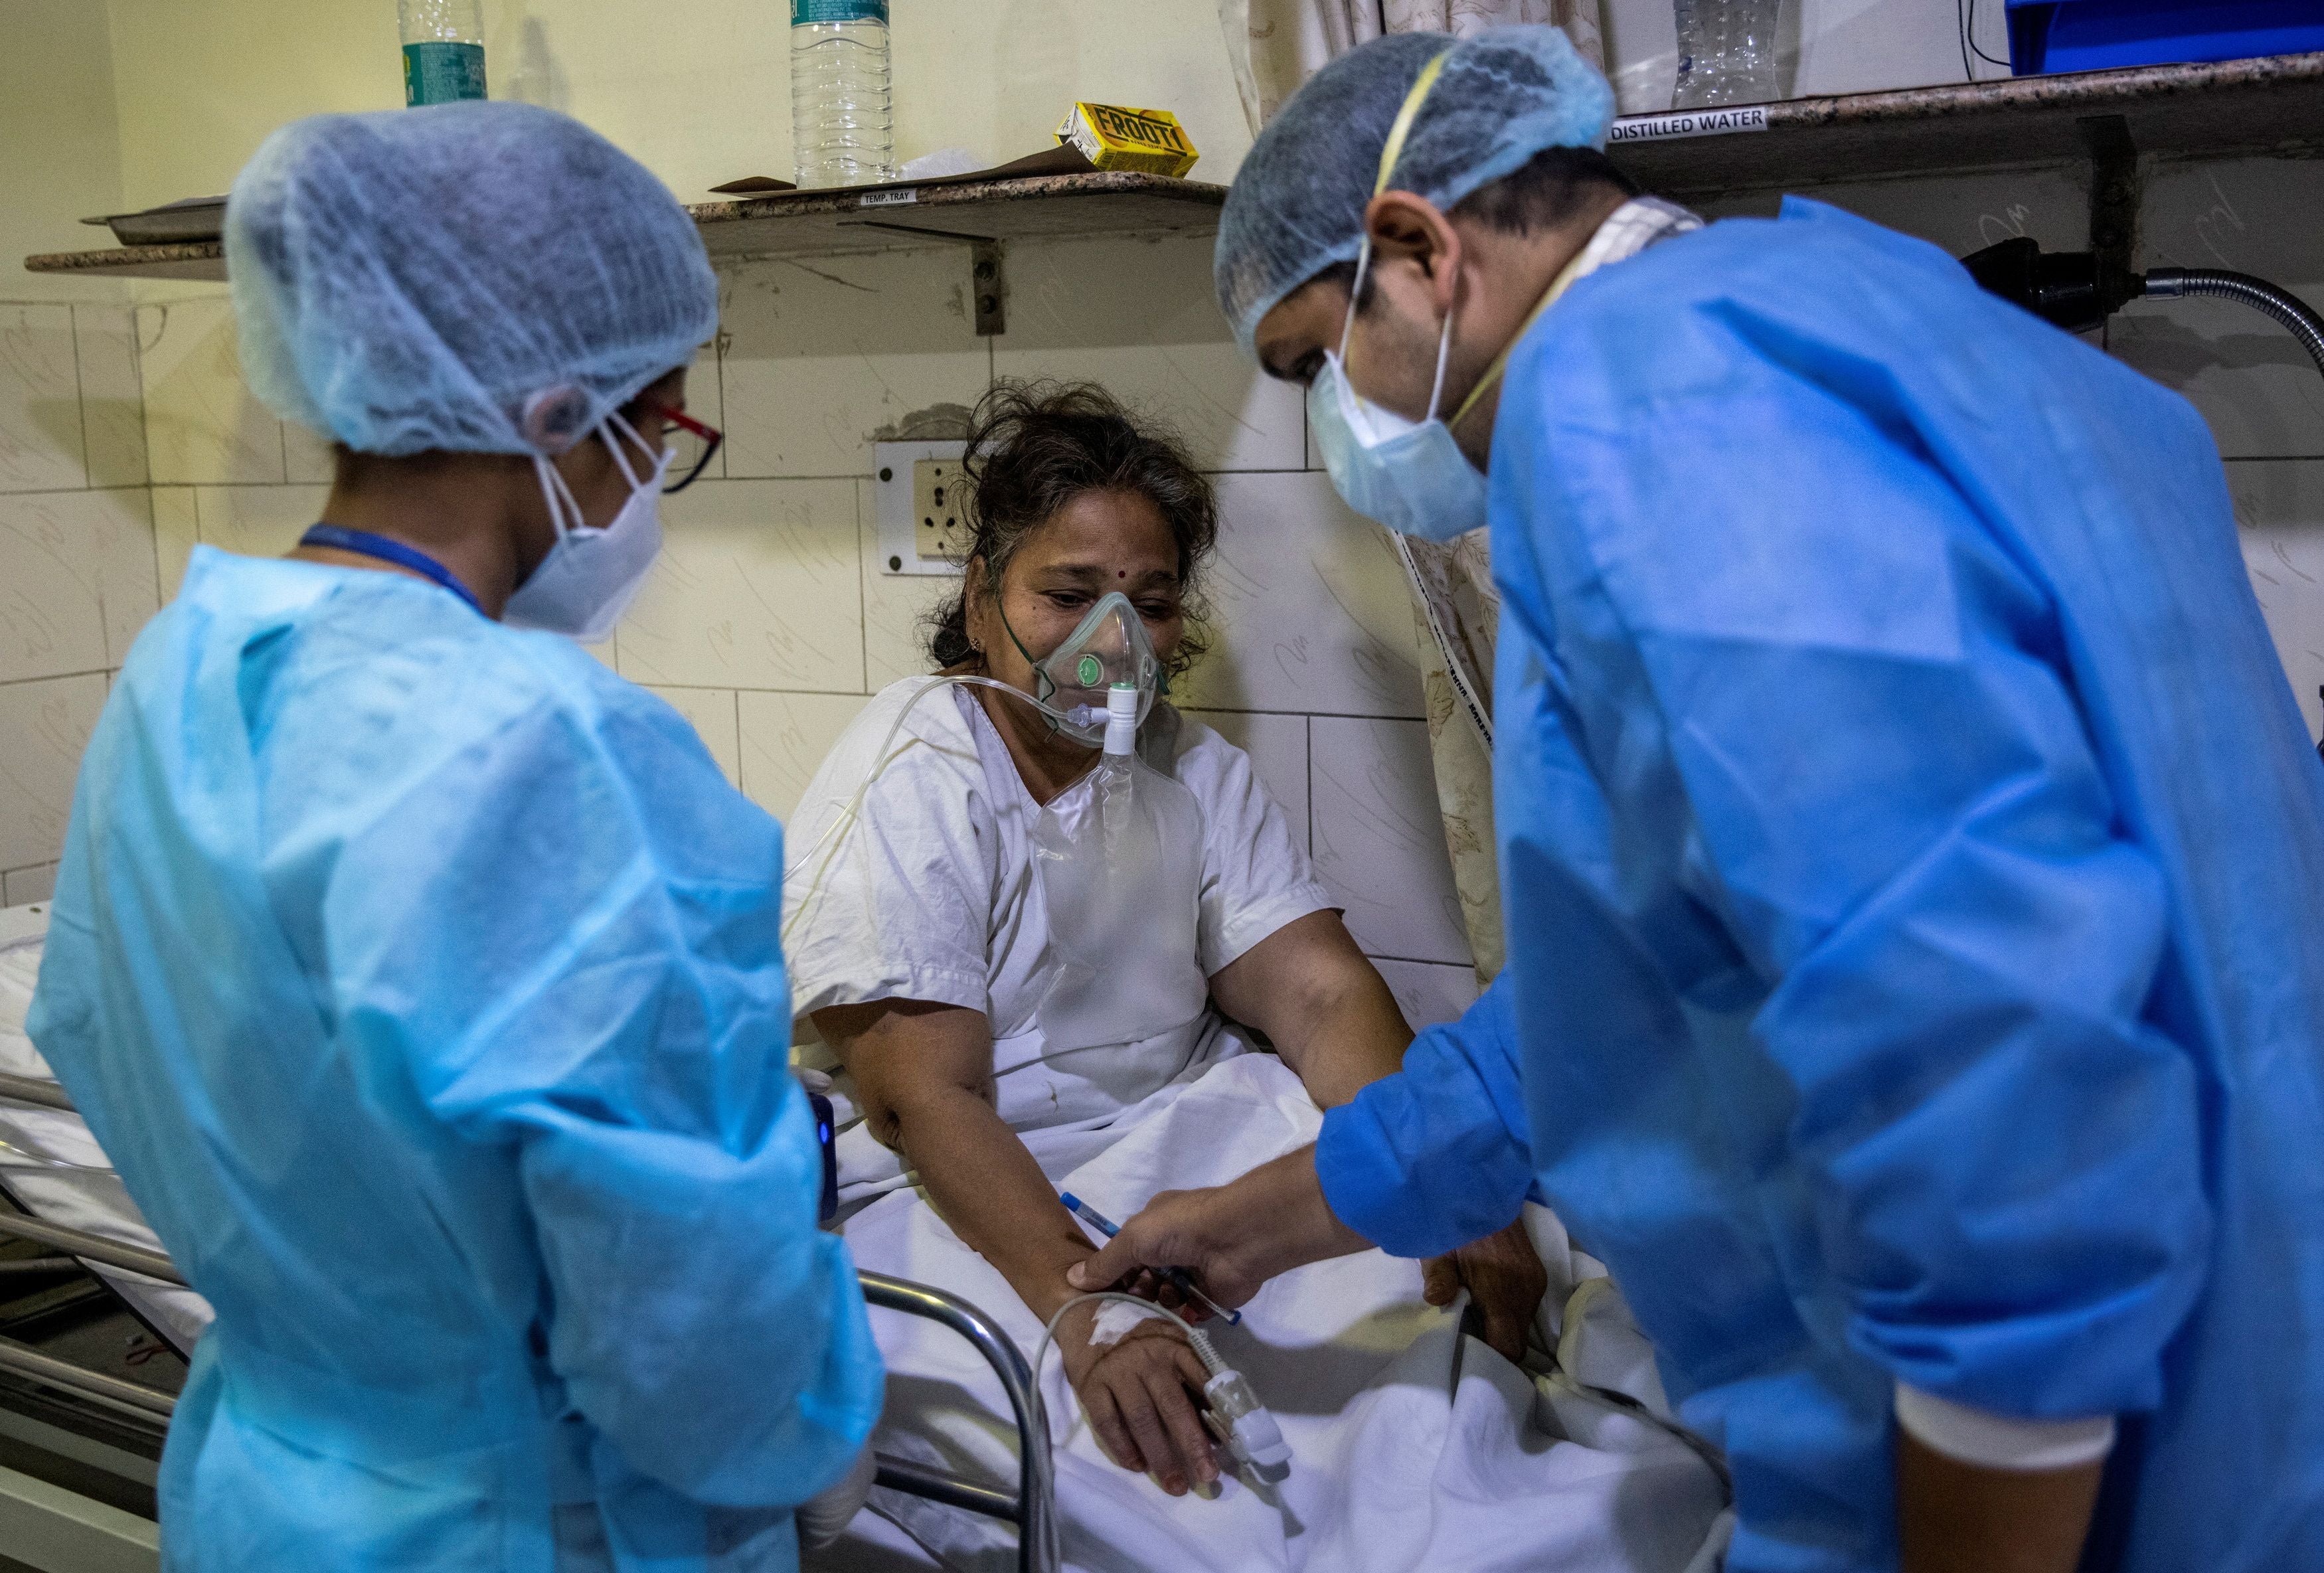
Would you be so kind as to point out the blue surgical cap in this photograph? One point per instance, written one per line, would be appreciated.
(1297, 204)
(476, 277)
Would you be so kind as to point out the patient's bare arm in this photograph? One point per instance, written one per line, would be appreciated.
(1321, 1002)
(924, 1072)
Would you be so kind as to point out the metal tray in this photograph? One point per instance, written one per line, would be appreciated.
(194, 218)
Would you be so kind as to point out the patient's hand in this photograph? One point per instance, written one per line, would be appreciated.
(1505, 1279)
(1136, 1393)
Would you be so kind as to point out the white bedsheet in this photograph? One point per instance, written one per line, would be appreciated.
(1536, 1471)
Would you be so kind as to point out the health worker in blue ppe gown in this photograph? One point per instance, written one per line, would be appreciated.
(418, 973)
(1912, 854)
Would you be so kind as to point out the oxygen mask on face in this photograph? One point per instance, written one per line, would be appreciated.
(1108, 648)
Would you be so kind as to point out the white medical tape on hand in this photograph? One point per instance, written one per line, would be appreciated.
(1113, 1322)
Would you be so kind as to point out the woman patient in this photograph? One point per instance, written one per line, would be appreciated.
(916, 934)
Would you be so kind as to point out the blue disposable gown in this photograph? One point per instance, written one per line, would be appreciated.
(1915, 871)
(420, 976)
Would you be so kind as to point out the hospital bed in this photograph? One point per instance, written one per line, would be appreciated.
(78, 1445)
(1031, 1508)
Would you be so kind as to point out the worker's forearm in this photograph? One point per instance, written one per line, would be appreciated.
(1275, 1219)
(988, 1188)
(1234, 1236)
(1953, 1517)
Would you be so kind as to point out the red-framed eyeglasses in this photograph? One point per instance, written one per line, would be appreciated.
(709, 436)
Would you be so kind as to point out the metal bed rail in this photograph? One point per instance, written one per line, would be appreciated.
(110, 1391)
(92, 1247)
(1033, 1508)
(33, 1090)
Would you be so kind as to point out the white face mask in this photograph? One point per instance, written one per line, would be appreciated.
(591, 576)
(1410, 475)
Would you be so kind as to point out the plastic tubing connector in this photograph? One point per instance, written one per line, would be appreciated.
(1122, 718)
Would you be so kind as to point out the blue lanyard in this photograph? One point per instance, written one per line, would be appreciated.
(364, 544)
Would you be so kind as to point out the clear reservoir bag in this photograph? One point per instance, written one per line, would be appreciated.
(1121, 869)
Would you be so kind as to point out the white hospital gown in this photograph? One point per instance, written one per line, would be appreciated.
(932, 895)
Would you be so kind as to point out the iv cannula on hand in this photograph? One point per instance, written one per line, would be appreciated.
(1179, 1277)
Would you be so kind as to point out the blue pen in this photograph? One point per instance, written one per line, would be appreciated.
(1179, 1277)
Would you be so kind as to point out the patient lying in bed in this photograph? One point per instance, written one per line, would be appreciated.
(917, 941)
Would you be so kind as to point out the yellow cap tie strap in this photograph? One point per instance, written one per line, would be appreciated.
(1405, 117)
(1500, 362)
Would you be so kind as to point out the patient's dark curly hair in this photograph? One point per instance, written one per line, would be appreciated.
(1035, 447)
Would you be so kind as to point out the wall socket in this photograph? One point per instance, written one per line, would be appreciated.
(941, 529)
(922, 527)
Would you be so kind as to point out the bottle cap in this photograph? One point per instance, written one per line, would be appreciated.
(805, 12)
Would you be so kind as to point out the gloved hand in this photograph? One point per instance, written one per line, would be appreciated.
(824, 1517)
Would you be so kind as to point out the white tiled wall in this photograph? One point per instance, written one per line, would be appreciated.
(47, 721)
(77, 576)
(785, 737)
(41, 443)
(1141, 317)
(203, 428)
(818, 354)
(2280, 504)
(757, 587)
(123, 441)
(1378, 841)
(2259, 390)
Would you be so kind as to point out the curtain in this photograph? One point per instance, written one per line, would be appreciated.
(1276, 44)
(1579, 18)
(1457, 612)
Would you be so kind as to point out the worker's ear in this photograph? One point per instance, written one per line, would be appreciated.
(1411, 229)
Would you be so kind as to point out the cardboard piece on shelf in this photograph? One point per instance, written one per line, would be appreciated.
(1055, 160)
(755, 186)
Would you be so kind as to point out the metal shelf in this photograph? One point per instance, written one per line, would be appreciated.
(2270, 106)
(805, 223)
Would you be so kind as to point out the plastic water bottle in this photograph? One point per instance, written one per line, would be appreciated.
(1726, 52)
(443, 49)
(842, 131)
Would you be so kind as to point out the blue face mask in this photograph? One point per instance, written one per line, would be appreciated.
(1410, 476)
